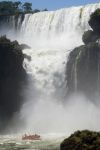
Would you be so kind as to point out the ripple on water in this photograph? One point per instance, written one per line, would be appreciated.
(46, 144)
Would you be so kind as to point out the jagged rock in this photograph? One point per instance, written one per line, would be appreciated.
(24, 46)
(27, 57)
(12, 79)
(82, 140)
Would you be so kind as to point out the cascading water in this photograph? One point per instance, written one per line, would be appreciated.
(52, 35)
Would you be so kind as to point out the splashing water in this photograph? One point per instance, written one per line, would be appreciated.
(52, 35)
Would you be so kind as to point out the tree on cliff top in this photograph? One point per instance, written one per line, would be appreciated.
(11, 8)
(27, 7)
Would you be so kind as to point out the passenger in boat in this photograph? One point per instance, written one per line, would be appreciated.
(31, 137)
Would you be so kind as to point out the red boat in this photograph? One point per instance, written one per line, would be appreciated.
(31, 137)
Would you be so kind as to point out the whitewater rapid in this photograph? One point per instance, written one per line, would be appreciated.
(14, 142)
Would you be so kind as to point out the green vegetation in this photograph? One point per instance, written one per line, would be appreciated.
(13, 8)
(82, 140)
(27, 7)
(96, 13)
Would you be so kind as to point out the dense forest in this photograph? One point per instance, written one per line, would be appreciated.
(13, 8)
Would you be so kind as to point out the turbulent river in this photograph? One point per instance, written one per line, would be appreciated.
(10, 142)
(51, 35)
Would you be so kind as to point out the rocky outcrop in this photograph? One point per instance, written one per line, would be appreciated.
(90, 36)
(83, 66)
(83, 70)
(94, 21)
(82, 140)
(13, 79)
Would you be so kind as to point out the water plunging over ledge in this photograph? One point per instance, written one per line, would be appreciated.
(51, 35)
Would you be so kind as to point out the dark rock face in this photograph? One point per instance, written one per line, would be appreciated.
(82, 140)
(94, 21)
(83, 67)
(90, 36)
(12, 79)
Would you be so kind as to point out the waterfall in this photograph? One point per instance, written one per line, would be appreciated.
(52, 35)
(60, 25)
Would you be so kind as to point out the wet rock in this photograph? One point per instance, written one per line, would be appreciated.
(82, 140)
(83, 66)
(90, 36)
(83, 69)
(13, 78)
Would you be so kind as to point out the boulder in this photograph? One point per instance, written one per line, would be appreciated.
(82, 140)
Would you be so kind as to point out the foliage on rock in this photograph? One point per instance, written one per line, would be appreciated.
(82, 140)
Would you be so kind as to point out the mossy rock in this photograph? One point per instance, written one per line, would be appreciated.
(82, 140)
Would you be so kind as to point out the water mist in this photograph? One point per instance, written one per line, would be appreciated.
(52, 35)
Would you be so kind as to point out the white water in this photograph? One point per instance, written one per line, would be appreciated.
(51, 35)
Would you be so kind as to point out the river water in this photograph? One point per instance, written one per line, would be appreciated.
(10, 142)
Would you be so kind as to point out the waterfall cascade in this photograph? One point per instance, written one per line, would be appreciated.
(51, 35)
